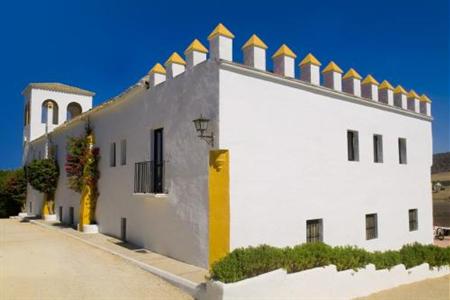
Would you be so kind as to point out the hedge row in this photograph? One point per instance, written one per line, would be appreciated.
(248, 262)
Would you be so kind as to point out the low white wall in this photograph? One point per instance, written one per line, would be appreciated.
(320, 283)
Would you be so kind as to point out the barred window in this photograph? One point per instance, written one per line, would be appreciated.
(112, 155)
(123, 152)
(413, 220)
(314, 231)
(371, 226)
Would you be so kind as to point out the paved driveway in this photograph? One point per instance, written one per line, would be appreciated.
(37, 263)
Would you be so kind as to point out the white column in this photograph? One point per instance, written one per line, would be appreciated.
(284, 62)
(400, 97)
(332, 76)
(255, 53)
(175, 65)
(221, 43)
(156, 75)
(351, 83)
(310, 69)
(369, 88)
(195, 53)
(386, 93)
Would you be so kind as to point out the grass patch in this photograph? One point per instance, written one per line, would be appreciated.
(249, 262)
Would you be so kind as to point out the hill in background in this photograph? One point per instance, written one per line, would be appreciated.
(441, 163)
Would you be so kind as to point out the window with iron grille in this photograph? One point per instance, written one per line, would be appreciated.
(112, 155)
(402, 157)
(352, 145)
(413, 220)
(377, 148)
(371, 226)
(123, 152)
(314, 231)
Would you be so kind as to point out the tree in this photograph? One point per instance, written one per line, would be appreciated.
(13, 187)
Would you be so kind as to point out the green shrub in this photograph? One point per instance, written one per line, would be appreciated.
(385, 260)
(248, 262)
(349, 258)
(43, 175)
(307, 256)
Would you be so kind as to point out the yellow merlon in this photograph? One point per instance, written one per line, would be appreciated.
(413, 94)
(385, 85)
(424, 98)
(370, 80)
(220, 30)
(310, 59)
(196, 45)
(158, 68)
(284, 51)
(400, 90)
(255, 41)
(175, 58)
(352, 74)
(332, 67)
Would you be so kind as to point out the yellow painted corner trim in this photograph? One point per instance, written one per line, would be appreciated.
(219, 205)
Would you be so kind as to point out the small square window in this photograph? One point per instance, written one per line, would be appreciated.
(314, 231)
(371, 226)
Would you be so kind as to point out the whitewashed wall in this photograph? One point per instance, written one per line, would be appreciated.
(319, 283)
(288, 153)
(175, 224)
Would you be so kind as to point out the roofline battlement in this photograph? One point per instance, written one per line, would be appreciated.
(254, 53)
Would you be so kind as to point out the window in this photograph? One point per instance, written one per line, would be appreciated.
(353, 147)
(49, 112)
(371, 226)
(73, 110)
(378, 148)
(112, 155)
(123, 152)
(314, 231)
(402, 151)
(412, 219)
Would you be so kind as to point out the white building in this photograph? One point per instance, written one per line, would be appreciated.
(307, 160)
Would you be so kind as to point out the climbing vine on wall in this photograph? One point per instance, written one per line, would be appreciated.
(81, 163)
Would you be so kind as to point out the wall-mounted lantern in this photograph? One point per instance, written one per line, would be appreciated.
(201, 126)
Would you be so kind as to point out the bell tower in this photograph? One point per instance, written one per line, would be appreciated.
(48, 105)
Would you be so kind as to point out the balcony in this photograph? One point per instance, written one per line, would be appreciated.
(149, 177)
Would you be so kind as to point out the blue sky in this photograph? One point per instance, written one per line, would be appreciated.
(105, 46)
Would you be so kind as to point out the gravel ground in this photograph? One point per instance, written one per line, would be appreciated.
(430, 289)
(36, 263)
